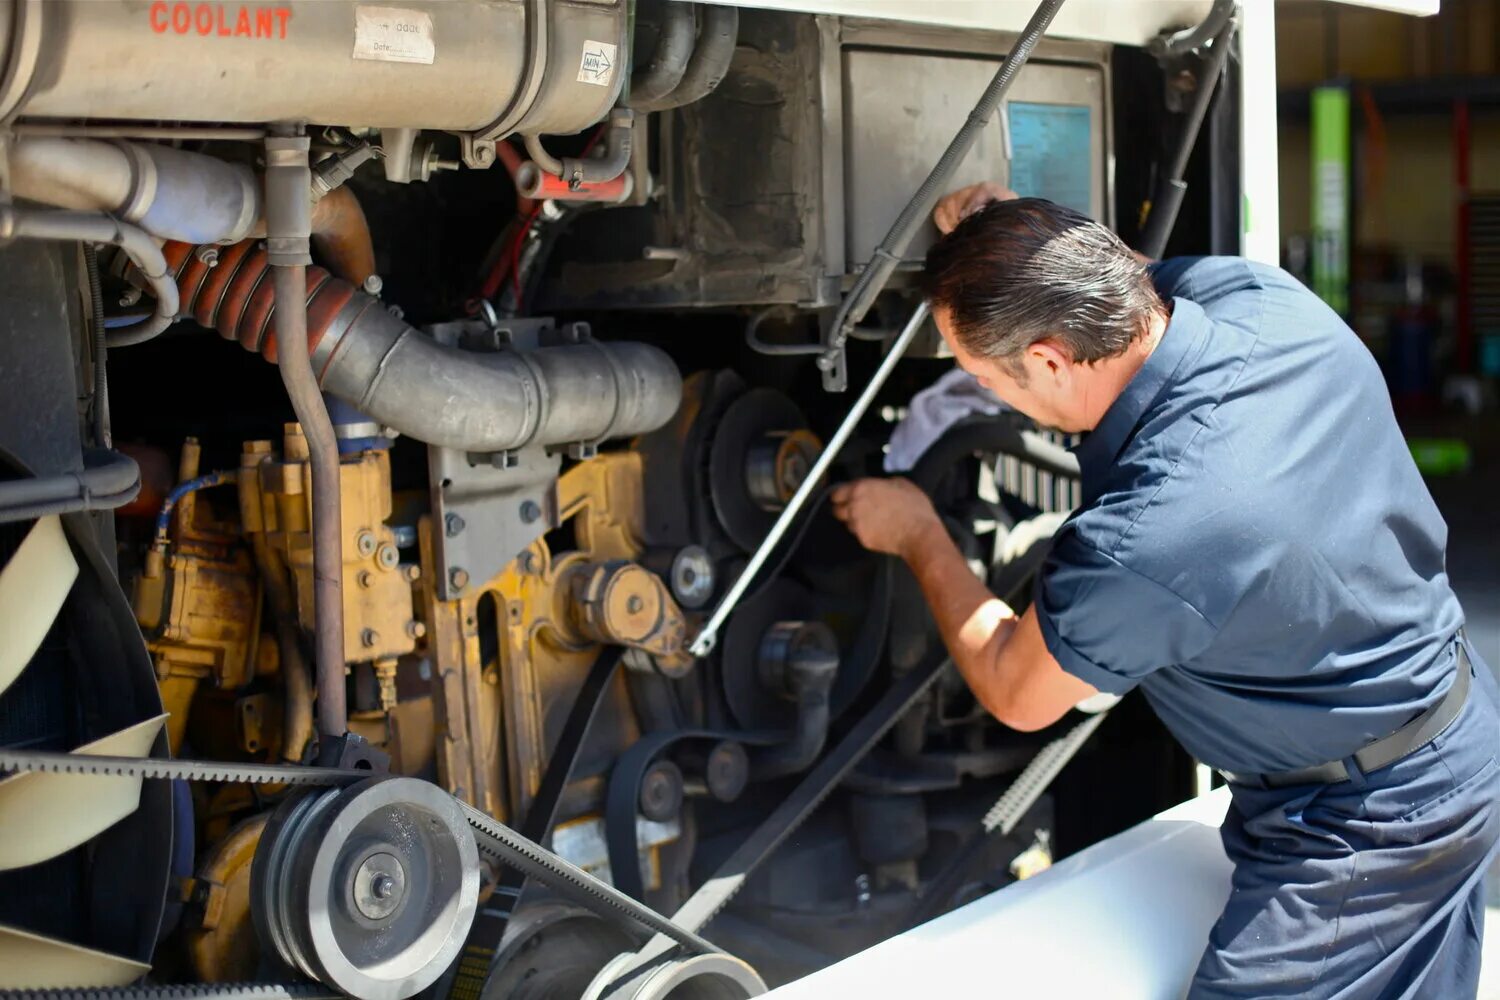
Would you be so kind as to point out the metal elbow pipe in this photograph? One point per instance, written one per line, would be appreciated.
(171, 193)
(669, 61)
(97, 227)
(485, 403)
(714, 52)
(398, 376)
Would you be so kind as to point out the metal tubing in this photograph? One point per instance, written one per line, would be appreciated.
(480, 402)
(888, 254)
(487, 403)
(96, 227)
(170, 193)
(703, 644)
(171, 133)
(327, 527)
(288, 232)
(669, 61)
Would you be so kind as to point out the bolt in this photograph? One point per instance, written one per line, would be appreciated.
(388, 557)
(365, 543)
(413, 573)
(634, 604)
(458, 577)
(374, 284)
(366, 578)
(416, 629)
(530, 511)
(484, 154)
(453, 525)
(130, 296)
(369, 637)
(383, 886)
(208, 256)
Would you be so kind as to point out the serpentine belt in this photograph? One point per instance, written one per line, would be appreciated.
(472, 968)
(620, 978)
(519, 852)
(492, 838)
(630, 770)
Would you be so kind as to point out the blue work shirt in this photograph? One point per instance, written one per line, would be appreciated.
(1256, 549)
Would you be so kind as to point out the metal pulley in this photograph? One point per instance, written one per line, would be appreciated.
(368, 888)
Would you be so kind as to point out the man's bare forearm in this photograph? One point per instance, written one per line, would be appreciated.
(974, 623)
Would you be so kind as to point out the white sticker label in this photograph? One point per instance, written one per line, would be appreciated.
(390, 34)
(598, 63)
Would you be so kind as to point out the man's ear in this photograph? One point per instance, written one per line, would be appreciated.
(1049, 358)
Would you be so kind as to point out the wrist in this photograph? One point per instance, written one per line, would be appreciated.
(926, 537)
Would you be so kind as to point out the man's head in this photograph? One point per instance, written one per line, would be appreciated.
(1046, 307)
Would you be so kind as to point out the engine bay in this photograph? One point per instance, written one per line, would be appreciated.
(565, 387)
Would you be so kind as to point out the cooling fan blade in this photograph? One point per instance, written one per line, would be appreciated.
(34, 962)
(33, 587)
(43, 814)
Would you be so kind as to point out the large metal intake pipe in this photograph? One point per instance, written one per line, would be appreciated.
(476, 67)
(168, 192)
(475, 402)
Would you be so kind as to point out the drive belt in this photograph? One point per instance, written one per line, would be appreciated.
(620, 977)
(494, 839)
(472, 967)
(203, 991)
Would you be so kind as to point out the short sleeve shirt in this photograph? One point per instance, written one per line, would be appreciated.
(1255, 549)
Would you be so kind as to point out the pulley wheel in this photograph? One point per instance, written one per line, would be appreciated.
(754, 703)
(552, 951)
(697, 977)
(369, 889)
(759, 449)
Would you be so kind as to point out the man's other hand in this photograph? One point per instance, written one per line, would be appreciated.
(886, 515)
(955, 207)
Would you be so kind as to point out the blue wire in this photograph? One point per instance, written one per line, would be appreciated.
(164, 519)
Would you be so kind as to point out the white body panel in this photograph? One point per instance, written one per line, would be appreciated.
(1126, 919)
(1130, 22)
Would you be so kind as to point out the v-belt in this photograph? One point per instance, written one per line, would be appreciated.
(472, 967)
(493, 838)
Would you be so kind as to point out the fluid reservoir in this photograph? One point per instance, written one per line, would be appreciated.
(480, 66)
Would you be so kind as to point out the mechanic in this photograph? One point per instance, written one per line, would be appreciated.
(1257, 552)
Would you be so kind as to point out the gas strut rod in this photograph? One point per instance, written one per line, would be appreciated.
(888, 255)
(1167, 202)
(704, 643)
(288, 232)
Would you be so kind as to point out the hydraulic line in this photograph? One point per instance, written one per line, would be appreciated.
(288, 230)
(888, 255)
(164, 517)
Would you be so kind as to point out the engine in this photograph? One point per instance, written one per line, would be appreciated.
(502, 509)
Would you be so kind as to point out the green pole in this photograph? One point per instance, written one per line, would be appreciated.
(1330, 196)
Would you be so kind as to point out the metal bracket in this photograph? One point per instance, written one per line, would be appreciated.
(477, 153)
(488, 508)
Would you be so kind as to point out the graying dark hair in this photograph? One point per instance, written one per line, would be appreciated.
(1020, 271)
